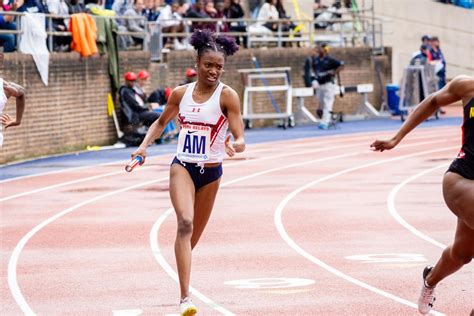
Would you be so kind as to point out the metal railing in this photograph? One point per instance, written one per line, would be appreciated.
(359, 31)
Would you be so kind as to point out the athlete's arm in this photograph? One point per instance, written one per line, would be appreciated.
(156, 129)
(459, 88)
(231, 103)
(14, 90)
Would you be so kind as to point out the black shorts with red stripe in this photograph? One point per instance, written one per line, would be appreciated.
(463, 167)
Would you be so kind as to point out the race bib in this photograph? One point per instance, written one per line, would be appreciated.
(194, 143)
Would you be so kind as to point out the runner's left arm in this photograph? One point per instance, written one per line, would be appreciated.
(236, 124)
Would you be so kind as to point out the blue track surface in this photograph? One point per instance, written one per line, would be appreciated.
(51, 164)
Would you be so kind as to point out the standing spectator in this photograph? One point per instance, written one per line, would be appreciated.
(325, 68)
(8, 41)
(233, 10)
(136, 25)
(426, 41)
(422, 57)
(438, 57)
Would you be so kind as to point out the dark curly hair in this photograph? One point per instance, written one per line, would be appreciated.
(206, 40)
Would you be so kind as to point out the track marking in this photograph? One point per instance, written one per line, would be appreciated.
(388, 258)
(13, 262)
(127, 312)
(279, 225)
(429, 130)
(393, 211)
(12, 276)
(58, 185)
(156, 227)
(12, 265)
(269, 283)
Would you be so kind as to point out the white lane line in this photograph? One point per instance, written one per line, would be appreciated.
(393, 210)
(127, 312)
(12, 265)
(13, 262)
(281, 229)
(12, 276)
(429, 130)
(62, 184)
(156, 227)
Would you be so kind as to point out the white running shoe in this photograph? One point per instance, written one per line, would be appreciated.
(427, 295)
(187, 308)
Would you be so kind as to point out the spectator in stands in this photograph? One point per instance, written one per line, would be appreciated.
(198, 11)
(59, 7)
(268, 12)
(75, 6)
(134, 24)
(33, 6)
(223, 27)
(324, 15)
(8, 41)
(120, 6)
(171, 22)
(213, 13)
(156, 101)
(190, 76)
(96, 7)
(438, 57)
(233, 10)
(151, 10)
(320, 72)
(287, 25)
(133, 105)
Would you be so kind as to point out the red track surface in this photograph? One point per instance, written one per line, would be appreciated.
(293, 209)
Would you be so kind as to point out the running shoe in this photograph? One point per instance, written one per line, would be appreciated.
(427, 295)
(187, 308)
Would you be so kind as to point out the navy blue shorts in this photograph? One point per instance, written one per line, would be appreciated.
(209, 175)
(463, 167)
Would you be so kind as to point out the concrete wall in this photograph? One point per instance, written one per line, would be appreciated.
(406, 21)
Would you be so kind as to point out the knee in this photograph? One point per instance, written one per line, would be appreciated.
(185, 227)
(461, 254)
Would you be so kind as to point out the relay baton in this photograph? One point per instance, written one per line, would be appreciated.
(135, 162)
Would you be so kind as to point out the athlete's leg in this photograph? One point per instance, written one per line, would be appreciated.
(182, 197)
(459, 196)
(454, 256)
(203, 204)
